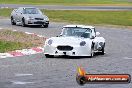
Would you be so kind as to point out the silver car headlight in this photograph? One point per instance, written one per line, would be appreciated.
(50, 42)
(83, 43)
(46, 18)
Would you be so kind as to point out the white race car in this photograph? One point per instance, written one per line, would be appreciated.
(75, 40)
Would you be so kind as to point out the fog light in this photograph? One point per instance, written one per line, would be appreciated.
(56, 52)
(64, 53)
(73, 53)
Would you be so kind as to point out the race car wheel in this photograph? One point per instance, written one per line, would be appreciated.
(92, 51)
(23, 22)
(12, 21)
(46, 26)
(48, 56)
(102, 51)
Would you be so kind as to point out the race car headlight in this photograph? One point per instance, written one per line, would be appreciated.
(50, 42)
(83, 43)
(101, 43)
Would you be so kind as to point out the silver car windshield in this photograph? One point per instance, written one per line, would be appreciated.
(80, 32)
(31, 11)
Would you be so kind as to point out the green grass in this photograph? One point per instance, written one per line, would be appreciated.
(5, 12)
(69, 2)
(14, 40)
(10, 46)
(123, 18)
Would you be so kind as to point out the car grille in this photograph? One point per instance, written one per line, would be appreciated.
(39, 22)
(65, 48)
(39, 19)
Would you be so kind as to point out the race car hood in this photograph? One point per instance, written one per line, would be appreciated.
(73, 41)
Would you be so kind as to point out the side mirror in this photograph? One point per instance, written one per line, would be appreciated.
(92, 37)
(97, 33)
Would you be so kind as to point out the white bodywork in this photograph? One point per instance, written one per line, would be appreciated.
(75, 45)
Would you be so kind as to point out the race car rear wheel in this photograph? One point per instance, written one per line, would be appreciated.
(48, 56)
(102, 51)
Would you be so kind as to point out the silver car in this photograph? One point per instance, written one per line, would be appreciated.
(29, 16)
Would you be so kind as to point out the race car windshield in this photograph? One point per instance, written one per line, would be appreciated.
(31, 11)
(80, 32)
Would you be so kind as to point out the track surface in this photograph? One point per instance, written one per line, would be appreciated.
(61, 7)
(36, 71)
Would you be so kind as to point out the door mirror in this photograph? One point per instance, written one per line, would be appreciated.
(92, 37)
(97, 33)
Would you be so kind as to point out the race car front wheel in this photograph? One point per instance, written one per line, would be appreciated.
(23, 22)
(46, 26)
(92, 51)
(12, 21)
(48, 56)
(102, 51)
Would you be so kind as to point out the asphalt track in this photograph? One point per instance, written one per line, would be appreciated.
(36, 71)
(61, 7)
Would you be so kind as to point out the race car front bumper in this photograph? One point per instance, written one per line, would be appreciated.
(76, 51)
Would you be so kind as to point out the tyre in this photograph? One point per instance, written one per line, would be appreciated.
(48, 56)
(12, 21)
(102, 51)
(46, 26)
(23, 22)
(92, 51)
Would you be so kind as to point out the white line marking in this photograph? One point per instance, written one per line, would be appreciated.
(1, 28)
(29, 33)
(4, 55)
(21, 83)
(2, 7)
(14, 30)
(40, 35)
(128, 58)
(23, 74)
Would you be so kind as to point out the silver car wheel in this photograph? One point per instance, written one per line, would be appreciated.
(12, 21)
(23, 22)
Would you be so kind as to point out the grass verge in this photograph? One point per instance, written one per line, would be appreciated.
(122, 18)
(69, 2)
(14, 40)
(10, 46)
